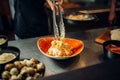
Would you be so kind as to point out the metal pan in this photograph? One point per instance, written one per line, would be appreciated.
(77, 18)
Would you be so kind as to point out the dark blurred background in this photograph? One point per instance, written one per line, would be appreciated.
(7, 15)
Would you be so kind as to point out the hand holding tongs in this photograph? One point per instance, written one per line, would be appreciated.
(58, 34)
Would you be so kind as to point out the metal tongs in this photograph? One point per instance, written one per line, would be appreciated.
(59, 30)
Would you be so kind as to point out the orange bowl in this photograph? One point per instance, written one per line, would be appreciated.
(45, 43)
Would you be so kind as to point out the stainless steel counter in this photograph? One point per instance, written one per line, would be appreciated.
(92, 53)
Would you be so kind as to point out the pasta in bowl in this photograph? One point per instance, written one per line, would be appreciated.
(58, 49)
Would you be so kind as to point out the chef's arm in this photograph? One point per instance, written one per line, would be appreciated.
(112, 14)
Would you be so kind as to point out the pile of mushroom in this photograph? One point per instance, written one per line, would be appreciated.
(27, 69)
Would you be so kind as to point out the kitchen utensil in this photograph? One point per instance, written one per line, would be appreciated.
(59, 30)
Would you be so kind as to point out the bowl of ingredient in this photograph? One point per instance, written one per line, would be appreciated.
(24, 69)
(111, 49)
(7, 55)
(115, 34)
(60, 49)
(3, 41)
(79, 19)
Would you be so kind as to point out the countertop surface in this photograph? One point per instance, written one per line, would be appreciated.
(91, 55)
(105, 71)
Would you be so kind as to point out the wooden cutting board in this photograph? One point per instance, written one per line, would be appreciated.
(103, 37)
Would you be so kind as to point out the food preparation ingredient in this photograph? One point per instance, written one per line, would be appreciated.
(60, 48)
(18, 64)
(6, 57)
(14, 71)
(2, 41)
(9, 66)
(40, 66)
(115, 34)
(6, 75)
(23, 70)
(79, 17)
(113, 48)
(14, 77)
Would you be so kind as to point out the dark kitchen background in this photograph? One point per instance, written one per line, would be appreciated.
(7, 14)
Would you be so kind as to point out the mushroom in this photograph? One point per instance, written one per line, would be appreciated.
(9, 66)
(34, 60)
(31, 71)
(23, 70)
(6, 75)
(29, 78)
(14, 71)
(40, 66)
(30, 63)
(37, 75)
(18, 64)
(14, 77)
(24, 62)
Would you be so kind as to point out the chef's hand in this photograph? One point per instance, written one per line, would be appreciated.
(54, 6)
